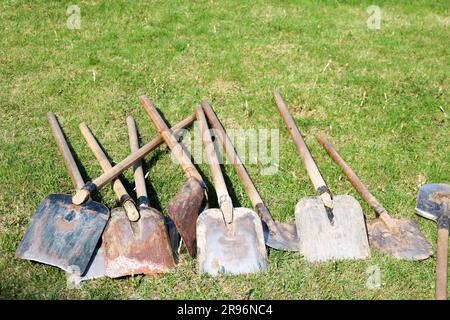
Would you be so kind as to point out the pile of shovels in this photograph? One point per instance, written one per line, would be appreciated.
(87, 241)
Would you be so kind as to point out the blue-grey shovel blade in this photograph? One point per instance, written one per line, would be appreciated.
(62, 234)
(430, 198)
(319, 240)
(219, 252)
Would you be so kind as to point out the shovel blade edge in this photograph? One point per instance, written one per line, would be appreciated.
(320, 241)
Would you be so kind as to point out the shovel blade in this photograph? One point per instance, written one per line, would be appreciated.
(140, 247)
(62, 234)
(319, 240)
(409, 244)
(430, 198)
(184, 209)
(220, 252)
(283, 236)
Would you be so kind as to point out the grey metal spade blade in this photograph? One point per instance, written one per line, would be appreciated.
(283, 236)
(219, 252)
(430, 198)
(319, 240)
(63, 234)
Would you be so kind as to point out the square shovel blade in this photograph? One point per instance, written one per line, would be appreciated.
(141, 247)
(320, 240)
(62, 234)
(220, 252)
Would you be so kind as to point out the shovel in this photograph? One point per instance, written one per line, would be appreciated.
(282, 236)
(400, 238)
(433, 203)
(61, 233)
(229, 240)
(184, 208)
(129, 242)
(329, 228)
(84, 193)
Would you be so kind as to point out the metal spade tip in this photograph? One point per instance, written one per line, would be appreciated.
(80, 197)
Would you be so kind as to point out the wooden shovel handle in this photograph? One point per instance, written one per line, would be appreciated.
(139, 178)
(303, 151)
(83, 194)
(358, 185)
(442, 253)
(64, 149)
(249, 187)
(225, 202)
(119, 189)
(177, 149)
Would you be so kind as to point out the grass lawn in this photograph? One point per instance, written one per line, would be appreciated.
(380, 95)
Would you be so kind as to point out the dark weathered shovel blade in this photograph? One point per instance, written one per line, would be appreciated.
(319, 240)
(184, 210)
(220, 252)
(410, 243)
(282, 236)
(430, 198)
(63, 234)
(141, 247)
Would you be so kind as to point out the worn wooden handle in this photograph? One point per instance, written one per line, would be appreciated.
(175, 147)
(442, 252)
(119, 189)
(64, 149)
(83, 194)
(303, 151)
(249, 187)
(139, 178)
(223, 197)
(358, 184)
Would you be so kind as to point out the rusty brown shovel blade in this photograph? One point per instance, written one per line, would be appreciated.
(137, 247)
(183, 209)
(60, 233)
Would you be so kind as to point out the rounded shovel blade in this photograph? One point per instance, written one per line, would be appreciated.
(319, 240)
(219, 252)
(140, 247)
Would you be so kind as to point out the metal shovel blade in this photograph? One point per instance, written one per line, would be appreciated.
(220, 252)
(282, 236)
(320, 240)
(430, 198)
(410, 243)
(63, 234)
(140, 247)
(184, 209)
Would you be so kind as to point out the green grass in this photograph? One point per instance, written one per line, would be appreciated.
(235, 54)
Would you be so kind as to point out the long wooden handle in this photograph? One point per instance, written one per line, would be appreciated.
(225, 202)
(64, 149)
(139, 178)
(119, 189)
(442, 253)
(303, 151)
(175, 147)
(249, 187)
(358, 184)
(83, 194)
